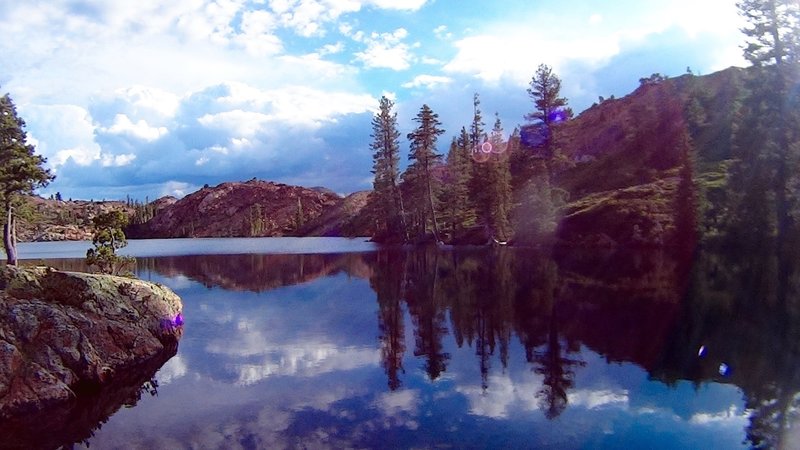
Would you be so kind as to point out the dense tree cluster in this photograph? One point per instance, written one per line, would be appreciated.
(467, 195)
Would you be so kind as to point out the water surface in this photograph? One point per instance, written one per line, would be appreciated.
(470, 348)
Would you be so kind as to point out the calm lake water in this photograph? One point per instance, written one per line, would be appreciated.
(315, 343)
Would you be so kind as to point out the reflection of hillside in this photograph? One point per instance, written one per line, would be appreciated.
(254, 272)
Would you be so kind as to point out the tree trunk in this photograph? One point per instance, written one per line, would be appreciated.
(402, 212)
(433, 210)
(9, 237)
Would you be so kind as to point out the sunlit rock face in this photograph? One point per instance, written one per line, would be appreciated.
(64, 335)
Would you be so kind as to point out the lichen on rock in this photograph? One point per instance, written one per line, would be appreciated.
(64, 333)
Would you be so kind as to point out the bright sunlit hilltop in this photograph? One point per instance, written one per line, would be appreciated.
(150, 98)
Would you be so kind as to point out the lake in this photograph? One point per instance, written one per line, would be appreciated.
(318, 343)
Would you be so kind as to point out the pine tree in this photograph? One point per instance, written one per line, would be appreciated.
(21, 171)
(768, 131)
(456, 194)
(421, 183)
(538, 200)
(499, 188)
(479, 177)
(388, 201)
(551, 108)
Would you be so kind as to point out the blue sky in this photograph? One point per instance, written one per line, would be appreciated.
(149, 97)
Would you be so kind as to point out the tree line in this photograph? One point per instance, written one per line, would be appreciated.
(469, 194)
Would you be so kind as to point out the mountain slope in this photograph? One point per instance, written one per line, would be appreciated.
(237, 209)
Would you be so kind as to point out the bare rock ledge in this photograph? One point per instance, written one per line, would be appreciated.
(66, 334)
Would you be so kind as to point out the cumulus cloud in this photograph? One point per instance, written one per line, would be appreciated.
(224, 132)
(386, 50)
(733, 416)
(62, 132)
(428, 81)
(493, 53)
(309, 17)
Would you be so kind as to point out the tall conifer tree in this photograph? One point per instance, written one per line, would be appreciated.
(422, 185)
(499, 188)
(21, 171)
(768, 132)
(551, 108)
(388, 201)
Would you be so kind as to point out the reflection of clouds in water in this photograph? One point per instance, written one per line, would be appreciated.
(178, 282)
(399, 408)
(733, 416)
(502, 394)
(172, 370)
(307, 359)
(220, 318)
(300, 356)
(593, 399)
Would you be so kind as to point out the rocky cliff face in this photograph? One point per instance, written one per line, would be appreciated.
(250, 209)
(342, 219)
(65, 335)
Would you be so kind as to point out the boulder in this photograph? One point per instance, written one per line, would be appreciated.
(65, 335)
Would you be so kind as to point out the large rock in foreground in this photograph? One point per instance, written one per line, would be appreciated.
(64, 335)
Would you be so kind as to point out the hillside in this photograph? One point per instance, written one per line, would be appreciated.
(618, 166)
(238, 209)
(59, 220)
(624, 156)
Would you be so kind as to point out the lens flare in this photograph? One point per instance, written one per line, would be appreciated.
(480, 156)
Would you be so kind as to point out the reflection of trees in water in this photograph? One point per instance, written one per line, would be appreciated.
(387, 282)
(425, 303)
(743, 309)
(489, 294)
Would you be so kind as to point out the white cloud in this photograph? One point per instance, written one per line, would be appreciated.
(177, 189)
(494, 52)
(428, 81)
(309, 17)
(502, 394)
(258, 33)
(593, 399)
(172, 370)
(399, 408)
(441, 32)
(331, 49)
(140, 129)
(408, 5)
(307, 359)
(107, 160)
(62, 132)
(431, 61)
(733, 416)
(492, 57)
(385, 50)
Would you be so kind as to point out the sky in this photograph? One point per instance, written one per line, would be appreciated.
(145, 98)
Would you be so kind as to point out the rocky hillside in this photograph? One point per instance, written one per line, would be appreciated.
(624, 156)
(238, 209)
(342, 219)
(61, 220)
